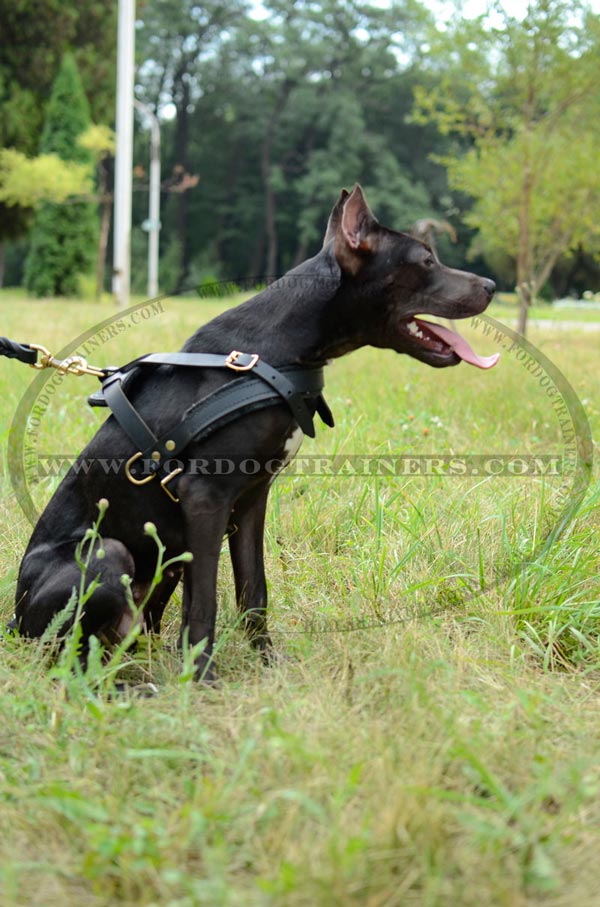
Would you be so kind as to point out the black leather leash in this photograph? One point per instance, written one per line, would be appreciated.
(261, 386)
(38, 357)
(21, 351)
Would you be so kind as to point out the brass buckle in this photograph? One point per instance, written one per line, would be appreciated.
(234, 354)
(164, 482)
(133, 479)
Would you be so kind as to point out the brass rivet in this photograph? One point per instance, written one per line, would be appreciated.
(170, 445)
(155, 456)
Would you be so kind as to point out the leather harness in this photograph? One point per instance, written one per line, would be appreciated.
(259, 385)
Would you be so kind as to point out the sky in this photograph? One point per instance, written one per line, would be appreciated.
(473, 8)
(446, 9)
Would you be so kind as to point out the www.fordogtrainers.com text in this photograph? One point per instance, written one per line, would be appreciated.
(517, 466)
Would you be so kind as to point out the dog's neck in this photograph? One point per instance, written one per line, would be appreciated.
(307, 317)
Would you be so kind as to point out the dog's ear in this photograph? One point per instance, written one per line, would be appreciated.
(357, 235)
(335, 218)
(358, 221)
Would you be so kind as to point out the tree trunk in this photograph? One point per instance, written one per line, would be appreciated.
(181, 141)
(257, 257)
(265, 166)
(525, 303)
(1, 263)
(528, 289)
(525, 286)
(105, 211)
(270, 205)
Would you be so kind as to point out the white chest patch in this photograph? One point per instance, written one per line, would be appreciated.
(290, 449)
(292, 445)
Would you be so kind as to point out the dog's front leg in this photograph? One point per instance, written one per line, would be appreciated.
(158, 601)
(204, 537)
(246, 549)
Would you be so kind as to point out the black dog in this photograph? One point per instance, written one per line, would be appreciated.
(364, 287)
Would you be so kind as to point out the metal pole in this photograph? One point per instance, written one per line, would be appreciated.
(153, 223)
(124, 153)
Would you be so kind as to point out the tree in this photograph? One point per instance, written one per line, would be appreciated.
(175, 40)
(274, 115)
(34, 35)
(26, 182)
(524, 96)
(100, 141)
(63, 236)
(317, 63)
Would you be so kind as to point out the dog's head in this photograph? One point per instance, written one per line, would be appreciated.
(394, 278)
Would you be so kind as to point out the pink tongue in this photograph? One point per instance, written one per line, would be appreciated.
(459, 345)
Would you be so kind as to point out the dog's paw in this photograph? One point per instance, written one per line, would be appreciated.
(206, 673)
(272, 658)
(134, 690)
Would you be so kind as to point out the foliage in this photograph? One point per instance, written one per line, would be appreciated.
(34, 36)
(275, 107)
(567, 170)
(99, 139)
(298, 103)
(63, 237)
(47, 29)
(29, 181)
(524, 96)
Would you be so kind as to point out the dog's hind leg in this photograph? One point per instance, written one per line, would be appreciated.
(48, 578)
(247, 557)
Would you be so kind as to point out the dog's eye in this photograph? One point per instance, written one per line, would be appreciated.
(429, 261)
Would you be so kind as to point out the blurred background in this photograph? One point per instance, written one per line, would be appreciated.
(476, 129)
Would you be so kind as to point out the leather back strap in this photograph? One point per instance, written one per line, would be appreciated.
(240, 362)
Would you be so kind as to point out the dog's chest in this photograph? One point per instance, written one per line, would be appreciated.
(290, 449)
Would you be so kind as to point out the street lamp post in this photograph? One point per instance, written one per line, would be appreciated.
(152, 225)
(124, 153)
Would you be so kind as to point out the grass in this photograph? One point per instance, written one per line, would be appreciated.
(432, 736)
(506, 308)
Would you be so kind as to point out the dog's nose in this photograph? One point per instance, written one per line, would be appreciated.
(489, 286)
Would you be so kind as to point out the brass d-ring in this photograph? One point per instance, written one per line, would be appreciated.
(131, 478)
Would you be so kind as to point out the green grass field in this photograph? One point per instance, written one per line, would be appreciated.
(431, 737)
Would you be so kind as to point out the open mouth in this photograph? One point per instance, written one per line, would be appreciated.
(442, 341)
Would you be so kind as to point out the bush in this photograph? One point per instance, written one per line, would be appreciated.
(63, 239)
